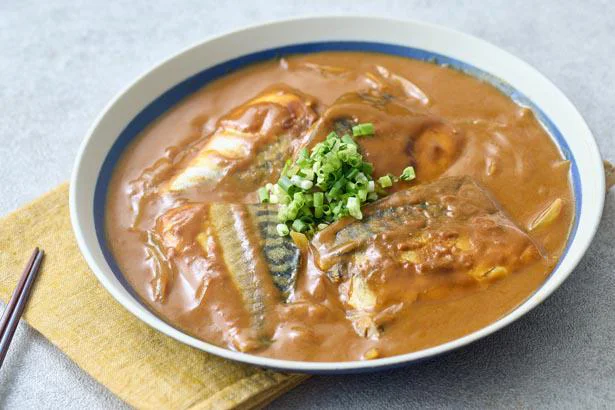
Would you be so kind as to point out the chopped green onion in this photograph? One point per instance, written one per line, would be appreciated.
(309, 199)
(263, 195)
(362, 130)
(283, 198)
(367, 168)
(299, 226)
(353, 173)
(319, 198)
(296, 180)
(282, 229)
(338, 209)
(293, 171)
(305, 185)
(355, 160)
(318, 204)
(303, 153)
(284, 183)
(336, 189)
(408, 174)
(283, 213)
(328, 182)
(332, 135)
(287, 164)
(362, 195)
(308, 173)
(306, 212)
(354, 207)
(385, 181)
(348, 140)
(326, 209)
(298, 199)
(361, 178)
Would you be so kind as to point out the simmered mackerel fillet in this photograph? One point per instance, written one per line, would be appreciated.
(422, 140)
(235, 240)
(445, 235)
(251, 144)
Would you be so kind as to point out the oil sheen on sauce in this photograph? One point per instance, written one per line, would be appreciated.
(185, 251)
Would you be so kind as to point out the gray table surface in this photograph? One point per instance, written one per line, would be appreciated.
(62, 60)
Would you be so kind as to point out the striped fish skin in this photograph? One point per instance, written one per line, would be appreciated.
(239, 258)
(385, 215)
(381, 220)
(281, 254)
(263, 265)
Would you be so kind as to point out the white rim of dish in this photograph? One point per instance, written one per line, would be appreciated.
(588, 224)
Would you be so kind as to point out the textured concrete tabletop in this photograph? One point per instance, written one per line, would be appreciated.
(61, 61)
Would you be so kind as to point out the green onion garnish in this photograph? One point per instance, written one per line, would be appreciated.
(282, 229)
(329, 182)
(385, 181)
(362, 130)
(348, 140)
(263, 195)
(284, 183)
(299, 226)
(354, 207)
(367, 168)
(408, 174)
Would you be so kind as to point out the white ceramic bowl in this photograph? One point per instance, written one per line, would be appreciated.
(167, 83)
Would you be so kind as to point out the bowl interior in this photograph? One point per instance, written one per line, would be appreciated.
(167, 84)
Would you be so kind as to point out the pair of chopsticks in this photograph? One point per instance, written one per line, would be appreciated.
(15, 307)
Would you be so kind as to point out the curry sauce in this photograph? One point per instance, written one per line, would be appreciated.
(476, 233)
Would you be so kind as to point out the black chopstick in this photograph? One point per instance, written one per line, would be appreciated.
(18, 289)
(19, 299)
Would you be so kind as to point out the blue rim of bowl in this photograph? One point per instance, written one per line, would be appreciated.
(197, 81)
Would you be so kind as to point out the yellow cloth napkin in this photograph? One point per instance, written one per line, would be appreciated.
(142, 366)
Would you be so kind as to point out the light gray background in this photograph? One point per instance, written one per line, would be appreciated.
(62, 61)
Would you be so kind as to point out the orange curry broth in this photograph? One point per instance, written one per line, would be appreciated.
(487, 137)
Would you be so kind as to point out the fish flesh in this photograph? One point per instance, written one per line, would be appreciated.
(450, 230)
(263, 266)
(282, 256)
(250, 144)
(426, 142)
